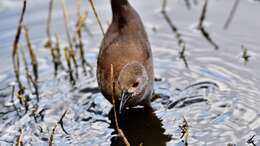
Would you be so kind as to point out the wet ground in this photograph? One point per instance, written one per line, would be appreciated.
(215, 91)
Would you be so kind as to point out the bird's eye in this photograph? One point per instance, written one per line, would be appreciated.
(135, 84)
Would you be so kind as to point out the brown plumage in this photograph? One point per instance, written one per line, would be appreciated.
(126, 46)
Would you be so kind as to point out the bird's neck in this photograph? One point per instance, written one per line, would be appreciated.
(117, 6)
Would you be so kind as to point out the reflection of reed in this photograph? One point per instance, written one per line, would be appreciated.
(232, 13)
(187, 3)
(174, 29)
(201, 27)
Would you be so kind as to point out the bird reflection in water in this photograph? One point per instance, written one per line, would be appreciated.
(140, 126)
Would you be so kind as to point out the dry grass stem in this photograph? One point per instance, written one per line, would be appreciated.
(15, 56)
(33, 57)
(120, 132)
(48, 31)
(66, 20)
(96, 15)
(71, 50)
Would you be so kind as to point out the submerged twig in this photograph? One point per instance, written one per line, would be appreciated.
(232, 13)
(15, 56)
(120, 132)
(251, 141)
(201, 27)
(61, 122)
(96, 15)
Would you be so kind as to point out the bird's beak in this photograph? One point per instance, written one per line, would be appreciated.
(125, 96)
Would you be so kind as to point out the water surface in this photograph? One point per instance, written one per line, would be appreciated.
(217, 92)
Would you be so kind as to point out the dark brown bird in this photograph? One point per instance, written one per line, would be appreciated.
(126, 46)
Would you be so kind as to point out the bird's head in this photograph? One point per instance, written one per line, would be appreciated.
(133, 83)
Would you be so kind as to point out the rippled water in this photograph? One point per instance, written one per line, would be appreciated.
(217, 92)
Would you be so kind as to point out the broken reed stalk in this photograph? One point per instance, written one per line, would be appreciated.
(120, 132)
(19, 141)
(48, 30)
(55, 127)
(15, 56)
(33, 57)
(71, 50)
(202, 29)
(96, 15)
(232, 13)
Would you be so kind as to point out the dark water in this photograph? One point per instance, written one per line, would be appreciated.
(218, 93)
